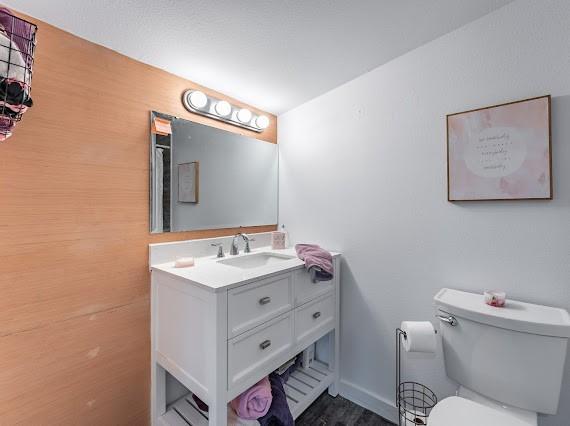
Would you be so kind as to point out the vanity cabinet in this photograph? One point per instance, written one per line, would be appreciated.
(220, 341)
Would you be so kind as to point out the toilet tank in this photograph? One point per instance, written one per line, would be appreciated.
(514, 355)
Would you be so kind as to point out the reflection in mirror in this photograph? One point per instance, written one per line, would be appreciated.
(207, 178)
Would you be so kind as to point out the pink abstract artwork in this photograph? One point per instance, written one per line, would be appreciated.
(500, 152)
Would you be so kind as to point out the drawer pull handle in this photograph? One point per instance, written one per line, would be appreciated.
(264, 300)
(316, 315)
(265, 344)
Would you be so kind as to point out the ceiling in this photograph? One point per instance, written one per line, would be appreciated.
(273, 54)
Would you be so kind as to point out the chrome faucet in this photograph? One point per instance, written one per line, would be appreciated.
(234, 249)
(220, 249)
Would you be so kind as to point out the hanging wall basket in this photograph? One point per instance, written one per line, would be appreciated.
(17, 46)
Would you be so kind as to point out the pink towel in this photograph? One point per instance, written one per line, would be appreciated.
(20, 32)
(6, 126)
(317, 260)
(254, 402)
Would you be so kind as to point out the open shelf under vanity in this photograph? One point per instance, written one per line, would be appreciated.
(302, 388)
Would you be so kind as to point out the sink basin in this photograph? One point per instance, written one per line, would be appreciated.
(255, 260)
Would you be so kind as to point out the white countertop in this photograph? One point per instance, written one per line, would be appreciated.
(211, 275)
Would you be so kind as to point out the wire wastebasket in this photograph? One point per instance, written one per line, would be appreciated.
(17, 48)
(414, 400)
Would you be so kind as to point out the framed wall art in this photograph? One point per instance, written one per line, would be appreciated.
(501, 152)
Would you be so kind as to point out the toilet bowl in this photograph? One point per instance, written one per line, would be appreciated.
(455, 410)
(508, 361)
(471, 409)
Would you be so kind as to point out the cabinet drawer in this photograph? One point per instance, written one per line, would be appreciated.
(260, 350)
(257, 302)
(305, 289)
(314, 319)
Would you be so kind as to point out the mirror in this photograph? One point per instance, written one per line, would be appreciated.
(202, 177)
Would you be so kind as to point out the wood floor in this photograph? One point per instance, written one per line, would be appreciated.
(339, 411)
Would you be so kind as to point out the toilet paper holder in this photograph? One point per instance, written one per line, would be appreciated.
(414, 400)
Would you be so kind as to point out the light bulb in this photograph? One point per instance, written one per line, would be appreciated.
(197, 99)
(223, 108)
(244, 115)
(262, 122)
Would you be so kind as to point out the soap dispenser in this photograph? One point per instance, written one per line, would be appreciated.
(286, 236)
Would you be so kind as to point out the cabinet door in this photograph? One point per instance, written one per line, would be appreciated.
(305, 289)
(259, 351)
(255, 303)
(314, 320)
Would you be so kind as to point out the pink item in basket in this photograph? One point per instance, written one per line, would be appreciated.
(254, 402)
(495, 298)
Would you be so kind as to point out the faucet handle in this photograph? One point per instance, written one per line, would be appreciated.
(247, 249)
(220, 249)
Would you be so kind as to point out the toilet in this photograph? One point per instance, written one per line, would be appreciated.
(507, 361)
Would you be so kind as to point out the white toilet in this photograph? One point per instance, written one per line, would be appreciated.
(508, 361)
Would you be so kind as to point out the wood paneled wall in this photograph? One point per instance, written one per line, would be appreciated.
(74, 230)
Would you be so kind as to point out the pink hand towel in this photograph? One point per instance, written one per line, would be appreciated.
(317, 261)
(254, 402)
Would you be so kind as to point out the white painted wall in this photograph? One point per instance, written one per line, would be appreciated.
(363, 171)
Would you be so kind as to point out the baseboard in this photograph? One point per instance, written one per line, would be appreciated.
(369, 400)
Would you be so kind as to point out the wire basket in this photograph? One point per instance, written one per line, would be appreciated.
(415, 402)
(17, 48)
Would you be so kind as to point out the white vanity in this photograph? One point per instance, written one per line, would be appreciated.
(220, 326)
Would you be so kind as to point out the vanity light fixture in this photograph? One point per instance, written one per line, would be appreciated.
(223, 108)
(262, 122)
(244, 115)
(197, 99)
(198, 102)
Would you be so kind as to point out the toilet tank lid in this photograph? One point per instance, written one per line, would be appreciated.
(515, 315)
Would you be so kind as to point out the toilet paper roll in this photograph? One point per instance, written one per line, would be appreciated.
(420, 336)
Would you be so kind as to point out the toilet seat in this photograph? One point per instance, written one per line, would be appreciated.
(455, 411)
